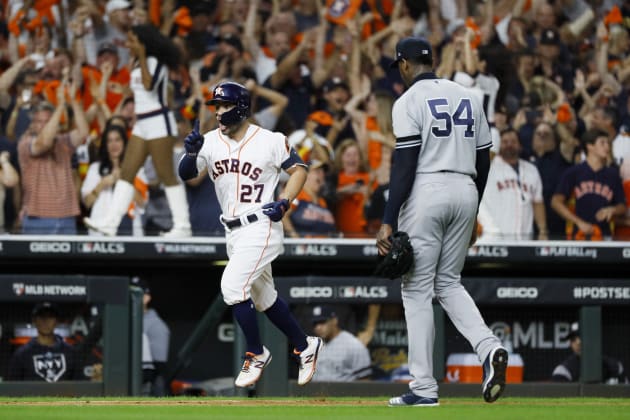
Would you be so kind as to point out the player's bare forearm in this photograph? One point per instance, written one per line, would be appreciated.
(295, 183)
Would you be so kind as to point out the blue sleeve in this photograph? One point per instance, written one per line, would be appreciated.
(402, 176)
(293, 159)
(187, 168)
(482, 166)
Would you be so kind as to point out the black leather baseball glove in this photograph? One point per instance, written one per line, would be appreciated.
(398, 260)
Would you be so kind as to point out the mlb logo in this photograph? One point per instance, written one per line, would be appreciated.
(543, 251)
(50, 366)
(18, 289)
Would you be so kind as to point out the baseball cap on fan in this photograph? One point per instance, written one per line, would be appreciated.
(107, 47)
(334, 83)
(413, 48)
(113, 5)
(549, 37)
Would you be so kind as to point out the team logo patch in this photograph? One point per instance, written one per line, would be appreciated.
(218, 91)
(50, 366)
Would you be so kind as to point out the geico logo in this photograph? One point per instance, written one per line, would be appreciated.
(311, 292)
(517, 292)
(52, 247)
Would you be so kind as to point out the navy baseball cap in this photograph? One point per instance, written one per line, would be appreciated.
(549, 37)
(322, 313)
(413, 48)
(574, 332)
(45, 309)
(334, 83)
(141, 283)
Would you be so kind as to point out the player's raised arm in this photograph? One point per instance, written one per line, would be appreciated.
(192, 143)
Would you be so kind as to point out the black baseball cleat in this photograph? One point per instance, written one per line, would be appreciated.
(494, 374)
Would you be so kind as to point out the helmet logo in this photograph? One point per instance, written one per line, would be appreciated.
(218, 91)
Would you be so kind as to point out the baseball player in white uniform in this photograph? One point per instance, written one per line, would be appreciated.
(513, 196)
(440, 169)
(244, 162)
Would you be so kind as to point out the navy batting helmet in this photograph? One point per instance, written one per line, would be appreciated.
(232, 93)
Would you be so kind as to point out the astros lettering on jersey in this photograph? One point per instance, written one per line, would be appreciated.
(244, 172)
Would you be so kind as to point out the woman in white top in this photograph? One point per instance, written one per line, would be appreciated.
(153, 133)
(97, 190)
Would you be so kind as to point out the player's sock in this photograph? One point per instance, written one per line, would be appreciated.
(245, 315)
(281, 316)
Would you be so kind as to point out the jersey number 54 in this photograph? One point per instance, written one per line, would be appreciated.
(463, 115)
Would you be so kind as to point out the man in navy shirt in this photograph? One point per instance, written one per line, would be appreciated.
(597, 189)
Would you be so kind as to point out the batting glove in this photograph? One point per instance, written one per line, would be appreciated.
(276, 209)
(193, 141)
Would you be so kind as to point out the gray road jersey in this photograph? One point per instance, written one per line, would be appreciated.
(451, 123)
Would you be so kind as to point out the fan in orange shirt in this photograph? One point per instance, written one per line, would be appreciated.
(309, 215)
(353, 181)
(115, 88)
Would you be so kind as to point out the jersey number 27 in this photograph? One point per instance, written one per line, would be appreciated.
(463, 115)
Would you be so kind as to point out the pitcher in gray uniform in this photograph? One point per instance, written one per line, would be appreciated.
(440, 168)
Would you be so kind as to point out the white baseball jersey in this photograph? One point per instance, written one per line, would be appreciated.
(441, 112)
(245, 173)
(507, 207)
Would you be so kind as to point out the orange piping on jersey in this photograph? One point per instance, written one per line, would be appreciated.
(259, 258)
(229, 150)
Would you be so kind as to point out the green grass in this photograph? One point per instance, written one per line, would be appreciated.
(309, 408)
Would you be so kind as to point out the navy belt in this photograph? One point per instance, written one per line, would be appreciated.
(236, 223)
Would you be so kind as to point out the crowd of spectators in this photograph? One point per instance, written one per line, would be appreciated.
(549, 73)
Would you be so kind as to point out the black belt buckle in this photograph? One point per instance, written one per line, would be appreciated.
(236, 223)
